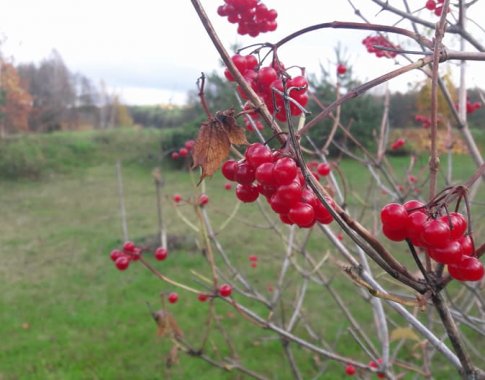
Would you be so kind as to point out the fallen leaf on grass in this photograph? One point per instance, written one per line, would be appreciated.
(214, 142)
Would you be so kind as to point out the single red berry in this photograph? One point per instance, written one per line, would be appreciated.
(278, 204)
(161, 253)
(183, 152)
(229, 169)
(290, 193)
(415, 228)
(458, 224)
(129, 247)
(253, 258)
(202, 297)
(122, 262)
(189, 144)
(115, 253)
(203, 199)
(413, 206)
(247, 193)
(264, 174)
(436, 233)
(469, 269)
(350, 370)
(253, 264)
(257, 154)
(173, 297)
(324, 169)
(340, 236)
(244, 173)
(394, 235)
(176, 198)
(175, 155)
(284, 171)
(302, 214)
(466, 246)
(228, 186)
(225, 290)
(395, 216)
(430, 5)
(449, 254)
(341, 69)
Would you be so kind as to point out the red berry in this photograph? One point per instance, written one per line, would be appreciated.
(394, 235)
(203, 199)
(323, 169)
(228, 186)
(469, 269)
(341, 69)
(115, 253)
(350, 370)
(247, 193)
(264, 174)
(175, 155)
(183, 152)
(416, 228)
(395, 216)
(253, 258)
(176, 198)
(202, 297)
(189, 144)
(257, 154)
(129, 247)
(436, 233)
(466, 246)
(122, 263)
(173, 297)
(458, 224)
(431, 5)
(302, 214)
(290, 193)
(244, 173)
(266, 76)
(253, 264)
(449, 254)
(161, 253)
(225, 290)
(284, 171)
(229, 170)
(413, 206)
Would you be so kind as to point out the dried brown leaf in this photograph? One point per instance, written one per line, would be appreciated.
(172, 357)
(167, 325)
(214, 142)
(234, 132)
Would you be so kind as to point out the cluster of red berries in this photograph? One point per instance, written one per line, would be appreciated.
(252, 16)
(183, 151)
(435, 6)
(372, 41)
(399, 143)
(280, 180)
(130, 252)
(443, 238)
(424, 120)
(265, 80)
(470, 106)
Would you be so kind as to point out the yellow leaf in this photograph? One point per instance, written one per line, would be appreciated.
(404, 333)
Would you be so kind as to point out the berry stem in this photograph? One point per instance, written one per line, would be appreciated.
(165, 278)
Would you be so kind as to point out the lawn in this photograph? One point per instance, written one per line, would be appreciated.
(67, 313)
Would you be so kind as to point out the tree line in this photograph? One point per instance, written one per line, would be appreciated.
(47, 97)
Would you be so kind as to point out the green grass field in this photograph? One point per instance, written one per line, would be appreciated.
(67, 313)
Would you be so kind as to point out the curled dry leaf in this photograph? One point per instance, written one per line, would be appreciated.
(167, 325)
(214, 142)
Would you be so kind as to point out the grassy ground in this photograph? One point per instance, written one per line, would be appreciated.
(68, 314)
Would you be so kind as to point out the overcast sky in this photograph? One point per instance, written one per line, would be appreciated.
(152, 51)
